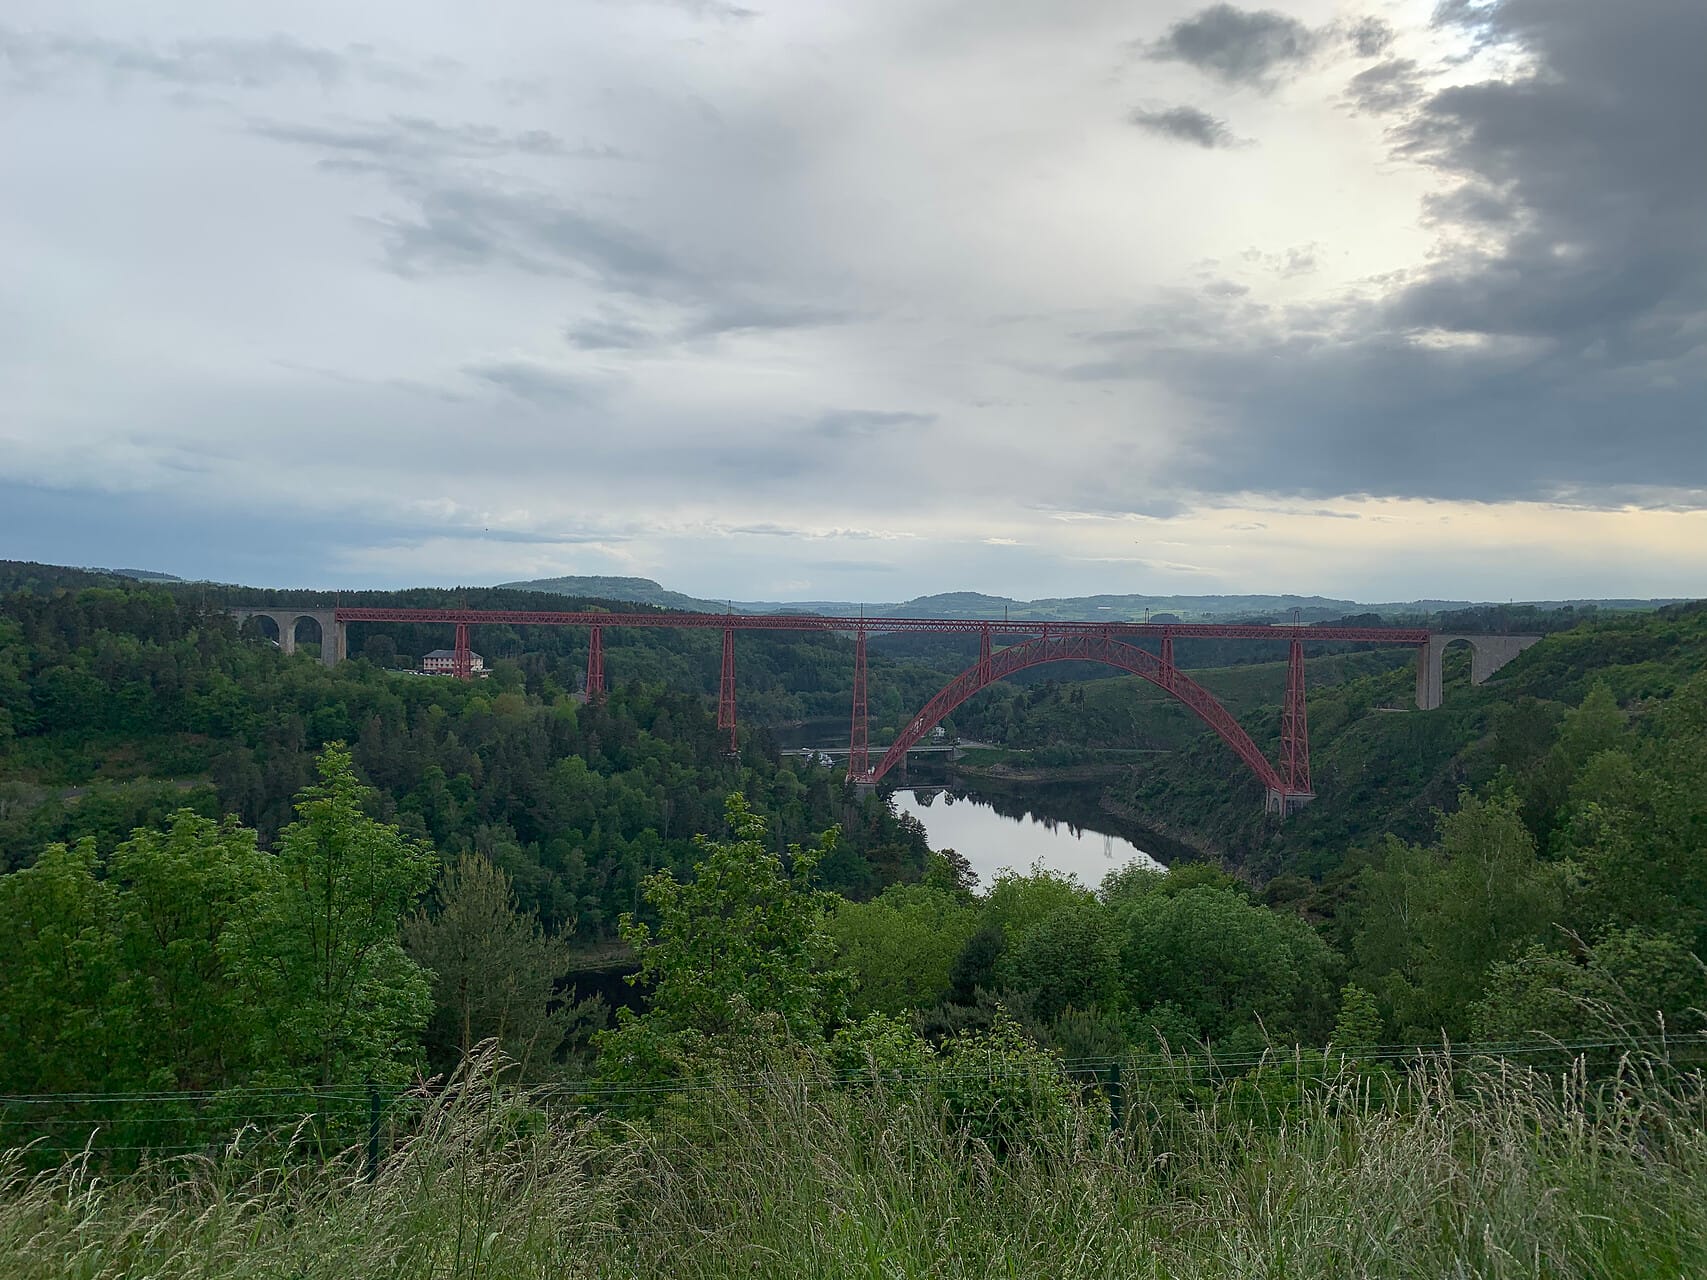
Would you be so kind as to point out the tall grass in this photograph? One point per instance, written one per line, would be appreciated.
(1492, 1171)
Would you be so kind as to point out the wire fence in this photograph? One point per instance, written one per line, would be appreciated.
(130, 1125)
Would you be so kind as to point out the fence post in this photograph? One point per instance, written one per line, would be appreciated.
(372, 1131)
(1116, 1099)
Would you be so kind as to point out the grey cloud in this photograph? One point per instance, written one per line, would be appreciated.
(461, 223)
(1473, 204)
(1238, 46)
(40, 59)
(538, 384)
(1186, 124)
(1368, 37)
(1556, 346)
(736, 315)
(768, 529)
(610, 334)
(1386, 87)
(464, 218)
(416, 138)
(746, 315)
(856, 566)
(842, 424)
(1298, 260)
(716, 9)
(1593, 163)
(524, 537)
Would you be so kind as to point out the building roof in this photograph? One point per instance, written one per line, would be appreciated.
(448, 653)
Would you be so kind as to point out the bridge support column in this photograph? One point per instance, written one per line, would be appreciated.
(596, 665)
(462, 661)
(1284, 803)
(1487, 655)
(726, 688)
(287, 633)
(1295, 729)
(334, 643)
(858, 765)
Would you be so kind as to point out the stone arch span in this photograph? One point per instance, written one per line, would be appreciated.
(332, 637)
(1083, 648)
(1488, 653)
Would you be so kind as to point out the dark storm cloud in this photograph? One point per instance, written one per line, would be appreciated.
(1553, 349)
(43, 59)
(1239, 46)
(1186, 124)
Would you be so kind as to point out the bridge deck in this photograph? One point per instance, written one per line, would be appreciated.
(821, 623)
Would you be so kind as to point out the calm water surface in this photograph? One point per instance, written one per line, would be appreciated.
(992, 841)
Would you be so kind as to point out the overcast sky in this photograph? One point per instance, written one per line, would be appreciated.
(860, 299)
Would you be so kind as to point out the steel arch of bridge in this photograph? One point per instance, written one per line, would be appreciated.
(1089, 648)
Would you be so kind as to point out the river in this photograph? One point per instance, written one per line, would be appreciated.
(1002, 830)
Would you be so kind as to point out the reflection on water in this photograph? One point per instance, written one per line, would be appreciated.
(1006, 834)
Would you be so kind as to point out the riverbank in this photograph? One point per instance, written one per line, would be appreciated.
(1048, 764)
(1001, 767)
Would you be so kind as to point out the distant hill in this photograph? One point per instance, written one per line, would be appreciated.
(1101, 608)
(28, 575)
(141, 575)
(634, 590)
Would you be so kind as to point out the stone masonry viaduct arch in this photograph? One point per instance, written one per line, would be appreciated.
(1488, 654)
(332, 642)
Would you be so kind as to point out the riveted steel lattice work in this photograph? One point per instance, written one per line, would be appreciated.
(858, 739)
(726, 688)
(596, 665)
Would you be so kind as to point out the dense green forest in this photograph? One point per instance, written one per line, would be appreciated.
(245, 894)
(121, 704)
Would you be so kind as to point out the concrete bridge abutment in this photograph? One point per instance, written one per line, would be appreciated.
(1488, 653)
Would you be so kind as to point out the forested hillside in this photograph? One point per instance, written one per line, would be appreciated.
(120, 704)
(1383, 768)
